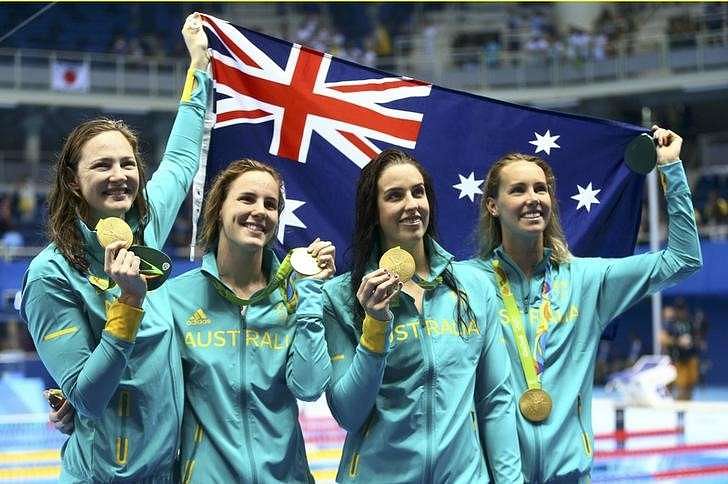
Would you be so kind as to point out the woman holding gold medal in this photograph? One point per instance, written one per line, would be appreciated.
(251, 337)
(554, 306)
(103, 337)
(420, 379)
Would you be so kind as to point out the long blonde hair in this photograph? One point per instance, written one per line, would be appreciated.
(490, 234)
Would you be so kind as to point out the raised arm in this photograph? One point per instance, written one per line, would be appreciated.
(625, 281)
(171, 181)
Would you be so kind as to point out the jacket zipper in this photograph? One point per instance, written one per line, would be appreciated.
(427, 355)
(244, 396)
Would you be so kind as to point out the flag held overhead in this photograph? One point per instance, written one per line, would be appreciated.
(319, 119)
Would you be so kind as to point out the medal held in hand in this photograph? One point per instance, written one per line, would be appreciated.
(111, 229)
(303, 262)
(535, 405)
(155, 264)
(55, 397)
(398, 261)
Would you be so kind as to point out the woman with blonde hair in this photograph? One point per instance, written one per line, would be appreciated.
(554, 306)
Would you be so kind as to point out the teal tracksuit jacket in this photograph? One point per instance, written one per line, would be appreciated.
(435, 403)
(127, 394)
(244, 367)
(585, 295)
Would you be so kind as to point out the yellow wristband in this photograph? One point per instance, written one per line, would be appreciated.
(122, 320)
(190, 82)
(373, 334)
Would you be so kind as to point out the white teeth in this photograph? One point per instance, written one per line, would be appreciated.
(254, 227)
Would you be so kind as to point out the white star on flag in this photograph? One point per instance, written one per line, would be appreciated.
(289, 218)
(545, 142)
(586, 197)
(469, 187)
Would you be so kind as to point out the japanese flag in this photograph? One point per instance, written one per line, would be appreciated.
(70, 76)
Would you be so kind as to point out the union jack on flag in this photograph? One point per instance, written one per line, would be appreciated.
(319, 120)
(300, 100)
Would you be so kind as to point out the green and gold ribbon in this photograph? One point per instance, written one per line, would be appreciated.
(280, 281)
(528, 363)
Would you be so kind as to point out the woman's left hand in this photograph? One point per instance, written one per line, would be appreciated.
(668, 145)
(196, 41)
(325, 254)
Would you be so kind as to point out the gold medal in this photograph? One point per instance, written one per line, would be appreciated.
(111, 229)
(400, 262)
(535, 405)
(303, 262)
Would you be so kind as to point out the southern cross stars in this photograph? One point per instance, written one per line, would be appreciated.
(289, 218)
(586, 197)
(545, 142)
(469, 187)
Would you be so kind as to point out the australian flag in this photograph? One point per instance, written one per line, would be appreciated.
(319, 120)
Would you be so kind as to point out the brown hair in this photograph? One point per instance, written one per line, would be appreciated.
(215, 198)
(367, 229)
(490, 235)
(65, 203)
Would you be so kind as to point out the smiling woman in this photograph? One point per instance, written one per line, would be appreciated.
(250, 342)
(108, 175)
(419, 372)
(554, 306)
(105, 339)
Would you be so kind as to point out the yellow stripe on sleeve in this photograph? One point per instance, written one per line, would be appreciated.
(189, 85)
(59, 333)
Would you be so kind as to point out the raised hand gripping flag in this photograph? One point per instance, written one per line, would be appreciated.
(319, 120)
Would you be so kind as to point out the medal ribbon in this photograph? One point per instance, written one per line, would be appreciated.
(278, 281)
(532, 366)
(425, 284)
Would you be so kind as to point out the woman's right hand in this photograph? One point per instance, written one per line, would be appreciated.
(376, 291)
(122, 266)
(196, 41)
(62, 419)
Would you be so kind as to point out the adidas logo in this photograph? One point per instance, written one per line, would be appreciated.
(197, 318)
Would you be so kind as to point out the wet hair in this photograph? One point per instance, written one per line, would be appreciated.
(215, 197)
(366, 228)
(65, 202)
(490, 234)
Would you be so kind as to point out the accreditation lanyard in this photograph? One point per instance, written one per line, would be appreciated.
(531, 362)
(278, 281)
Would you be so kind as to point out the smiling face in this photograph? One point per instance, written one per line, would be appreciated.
(249, 214)
(107, 176)
(523, 203)
(403, 208)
